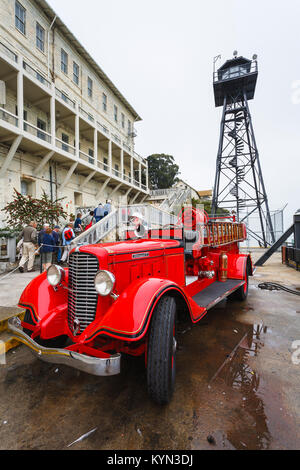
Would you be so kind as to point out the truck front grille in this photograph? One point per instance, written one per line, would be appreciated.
(82, 297)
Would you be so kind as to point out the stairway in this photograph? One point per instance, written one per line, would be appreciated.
(119, 218)
(236, 162)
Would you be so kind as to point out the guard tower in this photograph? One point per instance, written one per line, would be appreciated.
(239, 184)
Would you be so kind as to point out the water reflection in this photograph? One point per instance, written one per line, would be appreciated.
(252, 430)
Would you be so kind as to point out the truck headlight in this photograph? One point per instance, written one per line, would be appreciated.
(104, 282)
(55, 275)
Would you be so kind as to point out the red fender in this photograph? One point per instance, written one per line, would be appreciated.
(129, 316)
(38, 297)
(237, 265)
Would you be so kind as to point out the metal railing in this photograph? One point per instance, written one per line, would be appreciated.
(87, 115)
(8, 52)
(119, 219)
(235, 71)
(35, 74)
(116, 139)
(8, 117)
(162, 192)
(102, 128)
(86, 157)
(65, 146)
(60, 94)
(37, 132)
(139, 158)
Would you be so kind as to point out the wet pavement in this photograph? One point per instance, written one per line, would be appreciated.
(236, 382)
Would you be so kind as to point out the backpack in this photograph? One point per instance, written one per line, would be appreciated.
(68, 234)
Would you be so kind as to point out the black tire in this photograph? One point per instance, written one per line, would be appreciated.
(161, 354)
(241, 293)
(58, 342)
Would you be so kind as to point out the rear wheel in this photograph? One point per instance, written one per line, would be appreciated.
(58, 342)
(161, 354)
(241, 293)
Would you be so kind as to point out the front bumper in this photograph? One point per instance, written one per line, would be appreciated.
(89, 364)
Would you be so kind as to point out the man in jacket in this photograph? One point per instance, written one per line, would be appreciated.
(29, 236)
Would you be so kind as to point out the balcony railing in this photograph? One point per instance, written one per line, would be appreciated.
(87, 115)
(65, 146)
(103, 166)
(116, 139)
(87, 158)
(35, 74)
(37, 132)
(126, 147)
(8, 52)
(102, 128)
(139, 158)
(60, 94)
(235, 71)
(8, 117)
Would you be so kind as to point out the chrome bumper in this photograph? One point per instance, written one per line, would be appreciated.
(89, 364)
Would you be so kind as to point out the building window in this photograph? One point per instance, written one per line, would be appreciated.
(104, 102)
(75, 73)
(123, 121)
(90, 87)
(129, 128)
(64, 62)
(105, 161)
(20, 14)
(116, 170)
(24, 188)
(91, 157)
(40, 37)
(116, 113)
(65, 139)
(41, 125)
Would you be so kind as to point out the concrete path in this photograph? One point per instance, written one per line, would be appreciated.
(12, 286)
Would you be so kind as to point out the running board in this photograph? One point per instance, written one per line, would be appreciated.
(216, 292)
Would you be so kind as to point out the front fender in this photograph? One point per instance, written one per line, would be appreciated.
(129, 316)
(38, 298)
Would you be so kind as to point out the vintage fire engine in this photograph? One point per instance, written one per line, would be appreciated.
(128, 296)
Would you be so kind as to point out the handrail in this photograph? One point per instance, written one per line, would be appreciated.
(6, 116)
(9, 52)
(40, 133)
(35, 74)
(60, 94)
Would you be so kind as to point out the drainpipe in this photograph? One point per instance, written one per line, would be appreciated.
(51, 26)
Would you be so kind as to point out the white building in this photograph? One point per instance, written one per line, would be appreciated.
(64, 127)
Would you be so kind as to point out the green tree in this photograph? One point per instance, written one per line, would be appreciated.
(163, 171)
(24, 209)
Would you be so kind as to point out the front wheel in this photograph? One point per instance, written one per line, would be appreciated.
(161, 354)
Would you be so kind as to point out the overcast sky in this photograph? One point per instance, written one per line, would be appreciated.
(159, 53)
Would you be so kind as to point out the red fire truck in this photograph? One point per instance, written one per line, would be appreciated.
(128, 297)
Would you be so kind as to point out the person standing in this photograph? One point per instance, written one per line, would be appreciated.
(29, 235)
(90, 220)
(107, 208)
(78, 225)
(67, 236)
(57, 243)
(47, 248)
(99, 213)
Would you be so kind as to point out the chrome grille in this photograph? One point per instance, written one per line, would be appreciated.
(82, 297)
